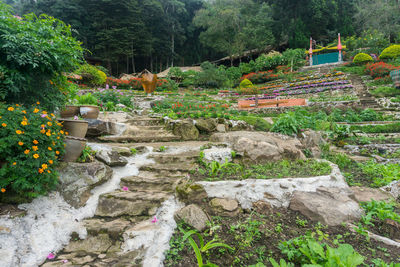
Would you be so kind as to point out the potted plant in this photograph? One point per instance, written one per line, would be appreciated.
(76, 127)
(88, 108)
(71, 110)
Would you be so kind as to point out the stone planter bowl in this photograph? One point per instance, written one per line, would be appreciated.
(73, 148)
(69, 112)
(89, 112)
(76, 128)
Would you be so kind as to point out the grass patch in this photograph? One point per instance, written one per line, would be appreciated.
(271, 170)
(385, 91)
(358, 70)
(383, 128)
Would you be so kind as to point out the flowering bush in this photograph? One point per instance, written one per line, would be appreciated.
(379, 70)
(390, 52)
(34, 51)
(362, 58)
(31, 142)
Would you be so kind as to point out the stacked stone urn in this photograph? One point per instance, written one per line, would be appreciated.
(75, 140)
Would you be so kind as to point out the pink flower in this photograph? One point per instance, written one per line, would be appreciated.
(76, 118)
(107, 86)
(43, 115)
(125, 188)
(154, 220)
(65, 261)
(51, 256)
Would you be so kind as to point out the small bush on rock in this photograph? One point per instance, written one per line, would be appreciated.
(390, 52)
(362, 58)
(32, 142)
(91, 76)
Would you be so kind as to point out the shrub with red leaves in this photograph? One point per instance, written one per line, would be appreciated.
(379, 70)
(260, 77)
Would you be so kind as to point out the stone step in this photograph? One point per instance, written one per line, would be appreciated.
(145, 121)
(146, 181)
(127, 203)
(190, 156)
(141, 139)
(169, 168)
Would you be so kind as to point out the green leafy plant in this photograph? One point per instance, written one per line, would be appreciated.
(87, 99)
(34, 53)
(287, 124)
(133, 151)
(245, 84)
(203, 248)
(282, 263)
(32, 142)
(162, 149)
(87, 155)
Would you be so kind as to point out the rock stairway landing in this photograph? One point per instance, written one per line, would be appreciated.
(123, 218)
(142, 130)
(366, 99)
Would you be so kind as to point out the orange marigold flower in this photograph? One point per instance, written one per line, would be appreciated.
(20, 143)
(35, 110)
(10, 109)
(38, 103)
(51, 161)
(61, 132)
(14, 163)
(48, 171)
(52, 114)
(41, 170)
(3, 190)
(18, 131)
(24, 123)
(42, 131)
(57, 152)
(44, 166)
(49, 123)
(23, 111)
(35, 148)
(35, 142)
(17, 105)
(36, 156)
(48, 133)
(27, 151)
(42, 126)
(66, 133)
(58, 137)
(4, 124)
(49, 148)
(44, 112)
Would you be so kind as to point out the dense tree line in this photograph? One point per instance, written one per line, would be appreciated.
(129, 35)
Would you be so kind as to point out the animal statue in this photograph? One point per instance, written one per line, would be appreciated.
(149, 81)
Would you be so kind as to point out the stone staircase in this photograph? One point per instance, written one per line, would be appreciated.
(129, 210)
(366, 99)
(142, 130)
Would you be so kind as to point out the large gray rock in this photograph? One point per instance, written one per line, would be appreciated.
(194, 216)
(93, 244)
(224, 204)
(331, 206)
(312, 141)
(78, 179)
(206, 125)
(364, 194)
(98, 128)
(111, 158)
(260, 146)
(127, 203)
(186, 130)
(393, 188)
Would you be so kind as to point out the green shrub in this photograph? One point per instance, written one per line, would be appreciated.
(91, 76)
(87, 99)
(362, 58)
(34, 51)
(103, 69)
(246, 83)
(390, 52)
(259, 123)
(31, 144)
